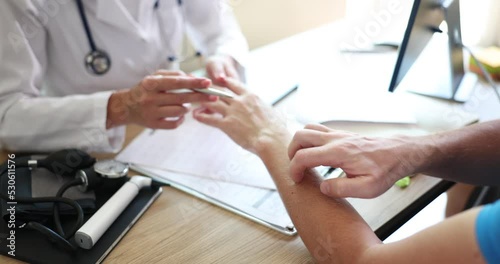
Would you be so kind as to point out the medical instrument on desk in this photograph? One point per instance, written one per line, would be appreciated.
(88, 235)
(88, 175)
(98, 61)
(110, 169)
(65, 163)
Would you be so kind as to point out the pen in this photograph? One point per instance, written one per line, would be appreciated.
(214, 91)
(208, 90)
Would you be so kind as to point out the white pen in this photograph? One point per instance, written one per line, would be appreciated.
(214, 91)
(208, 90)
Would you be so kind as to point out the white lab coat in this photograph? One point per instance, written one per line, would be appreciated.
(49, 101)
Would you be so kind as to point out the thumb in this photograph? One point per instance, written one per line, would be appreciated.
(359, 187)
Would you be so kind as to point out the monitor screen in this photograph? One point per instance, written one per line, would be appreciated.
(425, 18)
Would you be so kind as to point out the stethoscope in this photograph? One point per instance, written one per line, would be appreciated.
(98, 61)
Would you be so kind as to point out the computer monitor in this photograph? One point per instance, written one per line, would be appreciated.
(441, 70)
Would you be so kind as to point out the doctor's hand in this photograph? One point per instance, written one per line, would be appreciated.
(372, 165)
(152, 104)
(219, 67)
(246, 119)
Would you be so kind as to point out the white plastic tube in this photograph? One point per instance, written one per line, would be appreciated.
(88, 235)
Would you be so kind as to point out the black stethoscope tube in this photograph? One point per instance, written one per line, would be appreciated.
(85, 23)
(97, 61)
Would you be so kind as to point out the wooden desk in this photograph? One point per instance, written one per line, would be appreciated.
(179, 228)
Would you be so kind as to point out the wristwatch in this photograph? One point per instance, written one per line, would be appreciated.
(102, 169)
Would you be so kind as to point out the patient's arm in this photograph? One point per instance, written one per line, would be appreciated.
(372, 164)
(470, 154)
(334, 233)
(330, 228)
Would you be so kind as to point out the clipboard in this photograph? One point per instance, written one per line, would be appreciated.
(286, 227)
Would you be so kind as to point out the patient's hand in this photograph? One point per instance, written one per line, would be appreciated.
(246, 119)
(372, 165)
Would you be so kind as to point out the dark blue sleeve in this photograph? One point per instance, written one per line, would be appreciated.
(488, 232)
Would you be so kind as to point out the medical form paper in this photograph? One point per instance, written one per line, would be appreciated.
(198, 150)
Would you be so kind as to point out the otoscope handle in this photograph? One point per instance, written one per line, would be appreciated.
(88, 235)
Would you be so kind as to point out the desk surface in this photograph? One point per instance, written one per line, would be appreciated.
(179, 228)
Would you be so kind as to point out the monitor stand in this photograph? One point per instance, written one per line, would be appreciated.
(465, 87)
(432, 74)
(439, 70)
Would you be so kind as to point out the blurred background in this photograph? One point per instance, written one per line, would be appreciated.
(264, 21)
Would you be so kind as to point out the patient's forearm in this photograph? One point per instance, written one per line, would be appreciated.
(330, 228)
(471, 154)
(334, 232)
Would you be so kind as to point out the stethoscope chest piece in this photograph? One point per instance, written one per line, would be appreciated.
(97, 62)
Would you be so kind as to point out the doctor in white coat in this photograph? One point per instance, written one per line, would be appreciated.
(54, 95)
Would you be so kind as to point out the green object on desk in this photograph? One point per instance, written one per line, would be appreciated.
(490, 58)
(403, 182)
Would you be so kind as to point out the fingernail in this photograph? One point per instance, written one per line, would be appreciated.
(213, 98)
(205, 82)
(325, 188)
